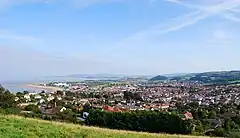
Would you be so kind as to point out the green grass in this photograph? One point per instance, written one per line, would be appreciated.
(20, 127)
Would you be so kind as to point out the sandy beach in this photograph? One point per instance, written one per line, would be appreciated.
(45, 88)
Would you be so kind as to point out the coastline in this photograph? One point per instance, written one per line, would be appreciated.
(45, 88)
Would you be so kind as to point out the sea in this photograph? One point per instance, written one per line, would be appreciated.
(20, 86)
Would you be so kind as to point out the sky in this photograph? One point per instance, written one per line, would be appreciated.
(137, 37)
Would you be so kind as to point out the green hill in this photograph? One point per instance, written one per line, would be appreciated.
(159, 78)
(20, 127)
(221, 77)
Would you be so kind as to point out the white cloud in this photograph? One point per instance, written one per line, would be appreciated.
(232, 17)
(219, 7)
(205, 10)
(228, 6)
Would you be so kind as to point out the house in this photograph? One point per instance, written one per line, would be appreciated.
(120, 95)
(43, 84)
(50, 98)
(23, 105)
(59, 98)
(63, 109)
(108, 108)
(60, 84)
(27, 96)
(16, 99)
(38, 97)
(164, 106)
(41, 101)
(111, 109)
(84, 102)
(32, 93)
(188, 115)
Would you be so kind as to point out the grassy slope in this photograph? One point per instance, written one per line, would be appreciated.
(19, 127)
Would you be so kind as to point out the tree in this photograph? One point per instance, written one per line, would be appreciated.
(148, 121)
(128, 95)
(219, 132)
(229, 125)
(236, 119)
(86, 107)
(68, 93)
(67, 115)
(7, 100)
(212, 114)
(91, 95)
(32, 98)
(19, 94)
(137, 96)
(25, 92)
(202, 113)
(194, 105)
(33, 108)
(199, 127)
(60, 93)
(2, 89)
(238, 107)
(105, 96)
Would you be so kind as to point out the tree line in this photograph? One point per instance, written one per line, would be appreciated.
(148, 121)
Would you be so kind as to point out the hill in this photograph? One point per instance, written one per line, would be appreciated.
(217, 77)
(159, 78)
(20, 127)
(221, 77)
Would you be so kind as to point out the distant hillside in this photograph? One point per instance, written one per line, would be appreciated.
(15, 127)
(221, 77)
(159, 78)
(217, 77)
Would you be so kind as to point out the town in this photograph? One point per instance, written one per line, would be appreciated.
(212, 108)
(125, 96)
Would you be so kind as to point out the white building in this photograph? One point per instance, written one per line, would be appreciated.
(61, 84)
(38, 97)
(27, 96)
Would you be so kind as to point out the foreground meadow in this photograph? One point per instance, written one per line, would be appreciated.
(20, 127)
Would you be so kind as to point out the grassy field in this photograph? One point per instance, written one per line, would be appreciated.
(20, 127)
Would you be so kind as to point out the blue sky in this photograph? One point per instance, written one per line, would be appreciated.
(60, 37)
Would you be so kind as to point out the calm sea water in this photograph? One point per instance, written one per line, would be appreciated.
(20, 86)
